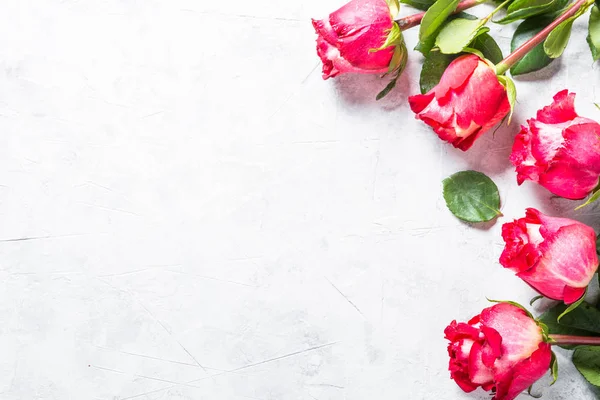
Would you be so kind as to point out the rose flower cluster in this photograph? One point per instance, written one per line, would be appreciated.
(504, 349)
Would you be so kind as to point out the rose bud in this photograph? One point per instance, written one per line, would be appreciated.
(502, 350)
(360, 37)
(560, 150)
(556, 256)
(468, 101)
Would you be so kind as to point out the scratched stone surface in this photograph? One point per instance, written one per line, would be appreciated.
(188, 211)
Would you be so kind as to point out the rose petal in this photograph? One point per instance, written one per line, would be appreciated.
(568, 259)
(456, 75)
(524, 374)
(520, 334)
(562, 109)
(479, 373)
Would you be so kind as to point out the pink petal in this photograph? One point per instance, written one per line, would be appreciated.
(503, 110)
(571, 294)
(419, 102)
(549, 225)
(479, 373)
(456, 331)
(561, 110)
(524, 374)
(568, 259)
(480, 98)
(493, 347)
(522, 158)
(520, 334)
(456, 75)
(546, 140)
(575, 168)
(518, 254)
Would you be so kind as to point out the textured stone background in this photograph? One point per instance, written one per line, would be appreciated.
(189, 212)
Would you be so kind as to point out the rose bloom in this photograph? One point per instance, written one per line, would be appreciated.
(468, 101)
(556, 256)
(347, 37)
(559, 150)
(502, 350)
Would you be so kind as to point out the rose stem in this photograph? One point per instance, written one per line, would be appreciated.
(415, 19)
(568, 339)
(526, 47)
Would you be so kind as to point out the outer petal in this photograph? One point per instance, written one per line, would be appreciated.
(458, 365)
(568, 259)
(362, 25)
(419, 102)
(571, 294)
(493, 346)
(503, 110)
(518, 254)
(546, 140)
(479, 373)
(575, 168)
(562, 109)
(520, 334)
(509, 385)
(549, 225)
(334, 64)
(522, 158)
(456, 75)
(480, 98)
(456, 331)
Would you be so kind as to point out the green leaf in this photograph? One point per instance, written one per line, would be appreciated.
(587, 362)
(522, 9)
(557, 40)
(433, 67)
(554, 369)
(472, 196)
(488, 46)
(458, 34)
(571, 307)
(550, 319)
(536, 59)
(432, 21)
(585, 317)
(511, 92)
(419, 4)
(594, 197)
(593, 37)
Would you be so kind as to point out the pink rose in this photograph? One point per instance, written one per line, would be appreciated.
(468, 101)
(556, 256)
(347, 38)
(560, 150)
(502, 350)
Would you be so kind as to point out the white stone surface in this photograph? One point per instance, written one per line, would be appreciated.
(189, 212)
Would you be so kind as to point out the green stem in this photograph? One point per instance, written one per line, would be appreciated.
(415, 19)
(575, 340)
(529, 45)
